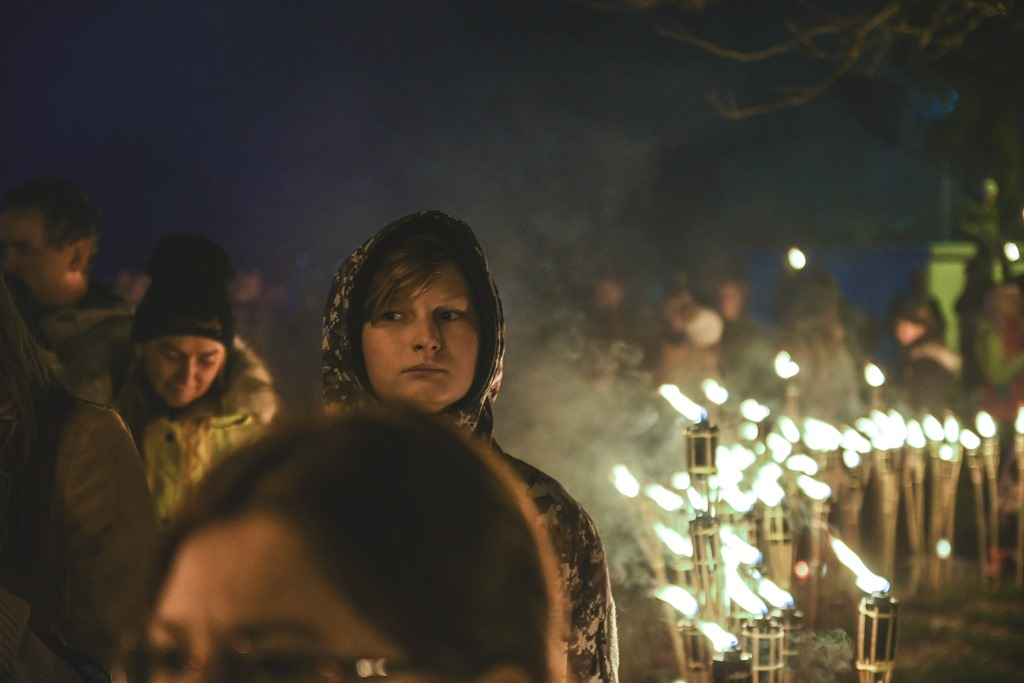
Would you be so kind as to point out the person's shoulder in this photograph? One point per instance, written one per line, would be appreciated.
(250, 386)
(88, 421)
(550, 496)
(94, 442)
(102, 296)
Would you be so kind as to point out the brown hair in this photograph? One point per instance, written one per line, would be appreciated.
(408, 270)
(420, 529)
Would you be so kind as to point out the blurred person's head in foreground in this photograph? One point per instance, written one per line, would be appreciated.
(333, 550)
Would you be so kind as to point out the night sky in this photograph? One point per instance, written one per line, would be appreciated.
(570, 139)
(292, 130)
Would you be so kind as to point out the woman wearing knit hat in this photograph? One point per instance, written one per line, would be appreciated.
(195, 391)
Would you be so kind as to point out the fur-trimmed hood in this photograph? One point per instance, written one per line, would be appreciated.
(247, 390)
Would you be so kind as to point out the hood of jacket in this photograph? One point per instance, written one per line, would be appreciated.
(345, 381)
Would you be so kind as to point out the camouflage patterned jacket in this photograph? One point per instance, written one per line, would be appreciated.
(592, 647)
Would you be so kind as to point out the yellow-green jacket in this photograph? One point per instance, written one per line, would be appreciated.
(179, 447)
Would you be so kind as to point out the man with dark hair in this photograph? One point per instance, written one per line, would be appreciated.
(49, 231)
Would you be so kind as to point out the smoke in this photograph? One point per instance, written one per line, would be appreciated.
(823, 656)
(576, 401)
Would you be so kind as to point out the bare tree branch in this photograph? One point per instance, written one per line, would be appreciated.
(854, 41)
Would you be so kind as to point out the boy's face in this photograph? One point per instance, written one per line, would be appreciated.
(422, 350)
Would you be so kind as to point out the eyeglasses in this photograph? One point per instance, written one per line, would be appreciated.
(155, 665)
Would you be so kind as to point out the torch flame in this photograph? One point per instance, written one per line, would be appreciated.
(873, 375)
(773, 594)
(715, 392)
(851, 458)
(933, 428)
(769, 491)
(666, 500)
(675, 541)
(721, 639)
(743, 551)
(855, 441)
(818, 490)
(779, 446)
(867, 581)
(1019, 422)
(951, 428)
(740, 593)
(697, 501)
(915, 435)
(769, 472)
(754, 411)
(969, 439)
(898, 426)
(892, 435)
(789, 429)
(821, 436)
(740, 501)
(687, 408)
(866, 425)
(678, 597)
(625, 482)
(985, 424)
(804, 464)
(785, 366)
(735, 457)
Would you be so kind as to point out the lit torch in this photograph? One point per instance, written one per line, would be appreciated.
(679, 599)
(703, 640)
(946, 458)
(819, 494)
(856, 452)
(913, 497)
(875, 379)
(888, 468)
(975, 466)
(791, 619)
(761, 635)
(786, 368)
(878, 620)
(729, 664)
(990, 454)
(709, 580)
(778, 534)
(628, 485)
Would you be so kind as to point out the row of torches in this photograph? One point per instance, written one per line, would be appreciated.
(724, 529)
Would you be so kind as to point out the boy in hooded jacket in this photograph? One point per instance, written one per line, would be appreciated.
(413, 316)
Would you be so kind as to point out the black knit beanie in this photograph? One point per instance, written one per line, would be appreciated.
(188, 292)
